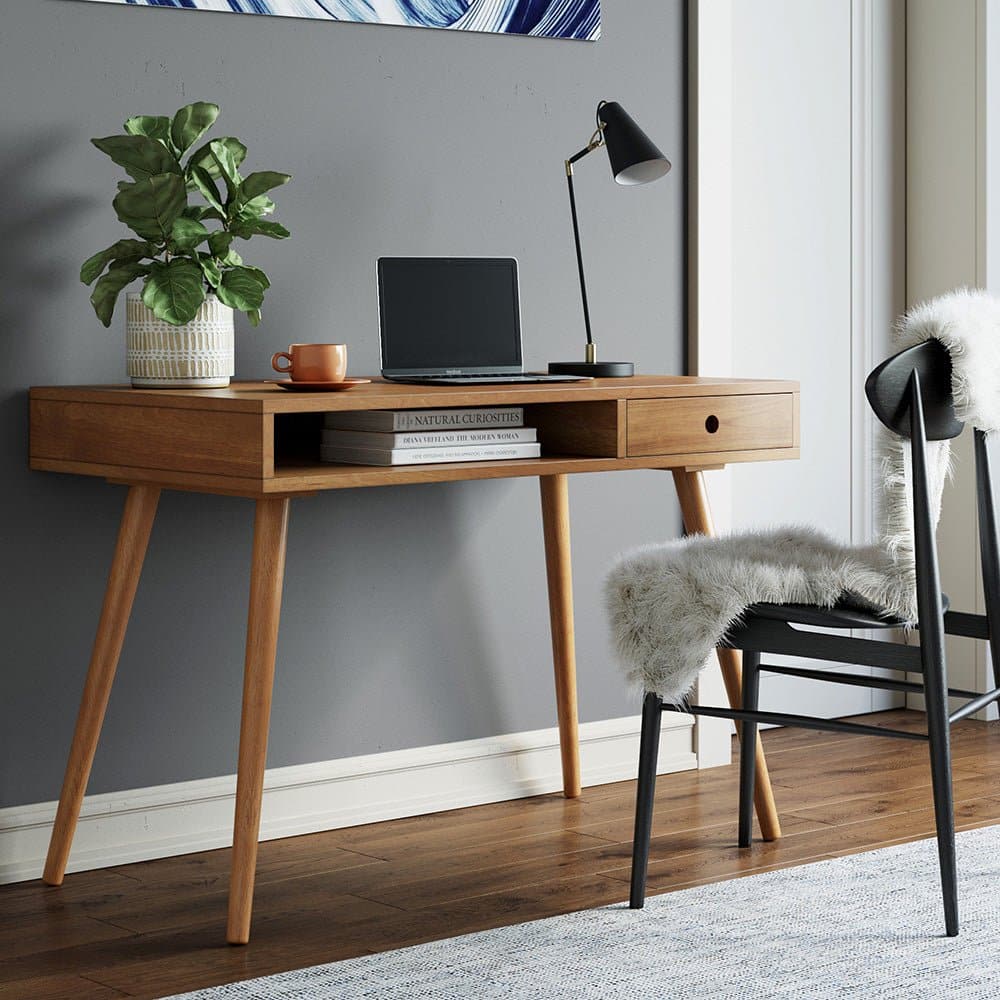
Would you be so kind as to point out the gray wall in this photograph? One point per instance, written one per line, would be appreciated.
(412, 615)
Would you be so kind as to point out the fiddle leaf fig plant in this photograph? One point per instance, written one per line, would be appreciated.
(186, 215)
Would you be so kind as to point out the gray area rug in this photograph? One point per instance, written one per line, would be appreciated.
(869, 925)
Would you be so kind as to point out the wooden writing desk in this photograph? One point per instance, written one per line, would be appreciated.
(255, 440)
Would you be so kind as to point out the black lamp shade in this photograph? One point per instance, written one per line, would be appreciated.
(634, 157)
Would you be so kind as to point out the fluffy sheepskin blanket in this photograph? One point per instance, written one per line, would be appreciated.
(671, 604)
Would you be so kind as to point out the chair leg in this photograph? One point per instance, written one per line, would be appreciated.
(944, 809)
(748, 745)
(932, 657)
(649, 746)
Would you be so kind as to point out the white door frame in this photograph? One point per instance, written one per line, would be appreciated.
(877, 250)
(710, 284)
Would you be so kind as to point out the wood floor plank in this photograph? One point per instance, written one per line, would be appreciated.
(469, 865)
(843, 760)
(198, 957)
(966, 788)
(436, 832)
(280, 920)
(683, 812)
(708, 865)
(830, 783)
(435, 888)
(290, 857)
(157, 928)
(61, 988)
(65, 929)
(23, 900)
(164, 909)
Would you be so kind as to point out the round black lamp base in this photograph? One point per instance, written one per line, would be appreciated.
(595, 369)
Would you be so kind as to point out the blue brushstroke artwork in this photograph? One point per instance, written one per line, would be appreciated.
(579, 19)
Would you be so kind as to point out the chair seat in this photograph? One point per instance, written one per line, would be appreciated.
(848, 612)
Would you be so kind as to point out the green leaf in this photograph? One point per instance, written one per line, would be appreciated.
(254, 316)
(149, 207)
(257, 207)
(210, 269)
(258, 274)
(191, 123)
(153, 126)
(123, 250)
(204, 183)
(108, 288)
(140, 156)
(201, 212)
(258, 227)
(186, 234)
(203, 157)
(218, 243)
(228, 167)
(259, 183)
(239, 289)
(174, 291)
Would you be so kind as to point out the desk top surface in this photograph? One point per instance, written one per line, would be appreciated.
(266, 397)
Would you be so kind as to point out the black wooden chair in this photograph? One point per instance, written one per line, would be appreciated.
(911, 394)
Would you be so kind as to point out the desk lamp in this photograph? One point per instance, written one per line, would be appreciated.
(634, 160)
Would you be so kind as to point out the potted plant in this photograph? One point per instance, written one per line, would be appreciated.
(186, 216)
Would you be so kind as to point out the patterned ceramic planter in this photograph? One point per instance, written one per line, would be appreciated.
(196, 355)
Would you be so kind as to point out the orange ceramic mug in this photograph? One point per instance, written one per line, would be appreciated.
(313, 362)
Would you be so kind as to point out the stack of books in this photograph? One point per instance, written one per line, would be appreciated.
(421, 437)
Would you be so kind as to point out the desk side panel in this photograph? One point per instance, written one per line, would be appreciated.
(149, 437)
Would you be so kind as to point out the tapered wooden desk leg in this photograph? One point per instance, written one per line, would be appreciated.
(698, 520)
(555, 525)
(126, 566)
(267, 575)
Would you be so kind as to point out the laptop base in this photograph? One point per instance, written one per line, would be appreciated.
(593, 369)
(526, 377)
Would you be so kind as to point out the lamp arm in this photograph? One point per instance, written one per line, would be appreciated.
(576, 237)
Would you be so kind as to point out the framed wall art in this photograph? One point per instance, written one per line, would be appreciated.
(574, 19)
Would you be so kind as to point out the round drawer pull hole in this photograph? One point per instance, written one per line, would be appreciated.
(712, 424)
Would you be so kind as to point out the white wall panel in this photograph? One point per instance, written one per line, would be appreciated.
(815, 248)
(953, 238)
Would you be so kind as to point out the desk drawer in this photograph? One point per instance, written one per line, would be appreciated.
(697, 424)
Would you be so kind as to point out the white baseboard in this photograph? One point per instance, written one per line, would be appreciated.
(121, 827)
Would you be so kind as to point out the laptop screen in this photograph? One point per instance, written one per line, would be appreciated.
(445, 315)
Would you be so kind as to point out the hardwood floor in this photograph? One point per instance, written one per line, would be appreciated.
(156, 928)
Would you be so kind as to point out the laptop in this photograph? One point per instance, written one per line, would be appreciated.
(452, 321)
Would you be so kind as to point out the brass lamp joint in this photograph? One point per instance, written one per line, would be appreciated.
(597, 139)
(591, 354)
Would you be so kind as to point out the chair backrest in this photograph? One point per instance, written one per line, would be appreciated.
(889, 392)
(919, 379)
(911, 394)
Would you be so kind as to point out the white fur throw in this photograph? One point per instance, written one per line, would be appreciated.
(671, 604)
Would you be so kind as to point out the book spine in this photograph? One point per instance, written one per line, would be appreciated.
(429, 420)
(485, 418)
(427, 439)
(427, 456)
